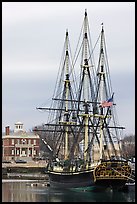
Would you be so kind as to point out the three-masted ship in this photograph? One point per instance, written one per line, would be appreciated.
(82, 130)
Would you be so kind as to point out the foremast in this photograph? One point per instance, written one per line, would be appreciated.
(67, 97)
(62, 111)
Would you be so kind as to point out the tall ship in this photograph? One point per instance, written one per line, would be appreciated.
(82, 131)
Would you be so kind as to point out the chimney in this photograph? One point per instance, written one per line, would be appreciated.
(7, 130)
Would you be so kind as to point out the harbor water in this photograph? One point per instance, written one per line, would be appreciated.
(26, 191)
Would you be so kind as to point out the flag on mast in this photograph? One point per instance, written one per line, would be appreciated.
(108, 102)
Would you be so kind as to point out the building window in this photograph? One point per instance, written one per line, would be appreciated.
(12, 141)
(34, 152)
(23, 151)
(30, 151)
(23, 141)
(17, 152)
(29, 141)
(12, 151)
(34, 142)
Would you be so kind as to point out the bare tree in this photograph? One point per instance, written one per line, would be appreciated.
(128, 146)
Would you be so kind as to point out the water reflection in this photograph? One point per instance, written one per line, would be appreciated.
(16, 192)
(21, 192)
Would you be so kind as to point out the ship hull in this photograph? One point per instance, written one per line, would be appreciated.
(112, 173)
(71, 180)
(85, 178)
(113, 183)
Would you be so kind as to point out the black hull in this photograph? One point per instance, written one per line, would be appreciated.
(71, 180)
(83, 179)
(113, 183)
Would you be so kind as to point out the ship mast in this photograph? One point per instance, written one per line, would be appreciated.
(85, 66)
(61, 113)
(104, 92)
(67, 94)
(101, 73)
(85, 90)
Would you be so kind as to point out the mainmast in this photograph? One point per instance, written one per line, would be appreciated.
(67, 94)
(85, 91)
(85, 66)
(85, 87)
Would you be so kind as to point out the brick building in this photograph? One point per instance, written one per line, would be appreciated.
(19, 144)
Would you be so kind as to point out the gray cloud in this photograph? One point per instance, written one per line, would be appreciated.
(33, 34)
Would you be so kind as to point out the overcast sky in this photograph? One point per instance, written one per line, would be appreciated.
(33, 35)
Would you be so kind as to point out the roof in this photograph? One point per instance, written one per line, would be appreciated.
(18, 123)
(21, 134)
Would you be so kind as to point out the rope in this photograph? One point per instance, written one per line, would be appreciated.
(124, 175)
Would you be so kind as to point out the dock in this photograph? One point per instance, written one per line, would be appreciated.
(30, 170)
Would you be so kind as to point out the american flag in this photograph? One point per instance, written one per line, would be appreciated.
(107, 103)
